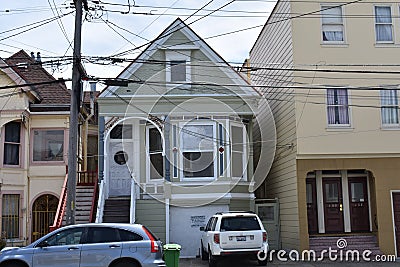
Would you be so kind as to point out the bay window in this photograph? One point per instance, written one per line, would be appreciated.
(238, 155)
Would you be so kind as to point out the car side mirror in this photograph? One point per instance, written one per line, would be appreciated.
(43, 244)
(202, 228)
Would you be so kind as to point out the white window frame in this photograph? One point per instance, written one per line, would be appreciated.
(214, 150)
(391, 25)
(20, 145)
(171, 56)
(244, 156)
(343, 125)
(342, 24)
(148, 162)
(396, 105)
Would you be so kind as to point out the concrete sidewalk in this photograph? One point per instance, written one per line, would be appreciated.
(237, 262)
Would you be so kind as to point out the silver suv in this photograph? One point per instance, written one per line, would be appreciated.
(234, 233)
(84, 245)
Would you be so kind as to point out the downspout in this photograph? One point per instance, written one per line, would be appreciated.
(167, 131)
(91, 114)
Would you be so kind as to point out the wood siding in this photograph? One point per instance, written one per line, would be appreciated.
(152, 214)
(273, 49)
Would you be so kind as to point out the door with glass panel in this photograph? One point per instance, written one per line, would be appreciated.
(333, 205)
(359, 208)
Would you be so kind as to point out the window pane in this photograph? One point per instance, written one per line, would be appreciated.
(383, 14)
(331, 193)
(10, 215)
(197, 137)
(121, 132)
(237, 138)
(102, 235)
(156, 166)
(178, 71)
(237, 164)
(240, 224)
(332, 33)
(309, 194)
(11, 154)
(331, 14)
(66, 237)
(155, 143)
(389, 109)
(12, 132)
(129, 236)
(198, 164)
(48, 145)
(357, 192)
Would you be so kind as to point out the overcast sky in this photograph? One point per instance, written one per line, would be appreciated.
(112, 26)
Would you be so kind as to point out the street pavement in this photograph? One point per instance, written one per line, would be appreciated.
(238, 262)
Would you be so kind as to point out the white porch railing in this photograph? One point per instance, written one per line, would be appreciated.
(100, 202)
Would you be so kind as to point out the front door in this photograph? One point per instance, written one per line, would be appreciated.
(333, 205)
(120, 162)
(311, 197)
(359, 209)
(396, 219)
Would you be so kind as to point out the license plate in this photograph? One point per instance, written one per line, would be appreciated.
(240, 238)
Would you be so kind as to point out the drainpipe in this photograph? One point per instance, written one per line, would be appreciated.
(167, 220)
(92, 90)
(167, 130)
(101, 148)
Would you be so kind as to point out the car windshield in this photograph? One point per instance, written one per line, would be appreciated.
(241, 223)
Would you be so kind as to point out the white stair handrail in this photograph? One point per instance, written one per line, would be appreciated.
(100, 203)
(132, 213)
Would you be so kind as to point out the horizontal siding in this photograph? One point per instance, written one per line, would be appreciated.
(151, 213)
(273, 48)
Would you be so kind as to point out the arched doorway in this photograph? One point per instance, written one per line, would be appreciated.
(43, 212)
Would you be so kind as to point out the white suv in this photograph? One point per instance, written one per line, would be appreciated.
(234, 233)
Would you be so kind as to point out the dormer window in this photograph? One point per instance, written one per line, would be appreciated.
(177, 68)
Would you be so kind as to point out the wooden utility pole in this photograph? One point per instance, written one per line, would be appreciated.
(74, 112)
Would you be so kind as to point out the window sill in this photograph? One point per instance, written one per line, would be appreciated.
(334, 128)
(334, 44)
(386, 45)
(390, 127)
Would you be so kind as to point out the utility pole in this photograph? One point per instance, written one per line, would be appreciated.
(74, 112)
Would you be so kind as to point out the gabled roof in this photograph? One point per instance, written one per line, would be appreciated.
(31, 71)
(195, 41)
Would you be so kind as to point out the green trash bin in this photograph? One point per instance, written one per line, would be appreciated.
(171, 255)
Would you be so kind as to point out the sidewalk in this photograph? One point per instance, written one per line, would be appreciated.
(235, 262)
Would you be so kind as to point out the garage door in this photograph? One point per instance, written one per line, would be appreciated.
(185, 226)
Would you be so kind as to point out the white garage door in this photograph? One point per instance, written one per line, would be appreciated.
(185, 226)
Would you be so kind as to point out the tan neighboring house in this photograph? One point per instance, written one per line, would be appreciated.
(330, 72)
(34, 151)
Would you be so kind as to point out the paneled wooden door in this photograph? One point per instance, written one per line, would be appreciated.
(333, 205)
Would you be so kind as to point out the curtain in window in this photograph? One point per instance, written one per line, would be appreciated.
(332, 23)
(389, 109)
(383, 26)
(12, 141)
(338, 108)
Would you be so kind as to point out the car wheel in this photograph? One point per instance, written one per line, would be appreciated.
(13, 264)
(204, 255)
(262, 263)
(212, 260)
(125, 263)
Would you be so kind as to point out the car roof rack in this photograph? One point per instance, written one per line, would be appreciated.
(225, 212)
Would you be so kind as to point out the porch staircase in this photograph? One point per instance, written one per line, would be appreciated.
(347, 242)
(83, 206)
(117, 210)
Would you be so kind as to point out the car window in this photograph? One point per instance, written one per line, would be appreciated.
(129, 236)
(241, 223)
(208, 226)
(102, 235)
(213, 223)
(67, 237)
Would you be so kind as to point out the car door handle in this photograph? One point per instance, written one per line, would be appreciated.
(73, 248)
(114, 246)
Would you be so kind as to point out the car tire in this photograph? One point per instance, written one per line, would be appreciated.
(13, 264)
(203, 255)
(212, 260)
(125, 263)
